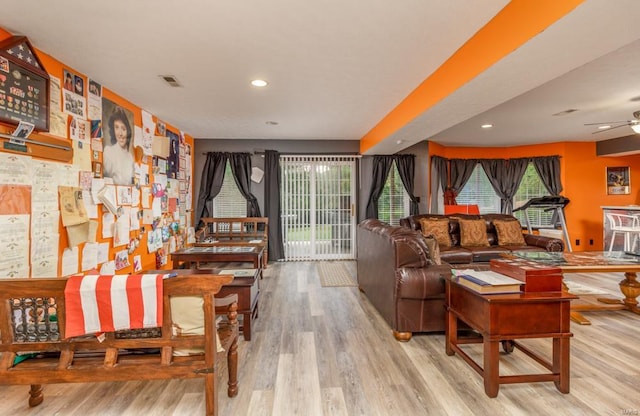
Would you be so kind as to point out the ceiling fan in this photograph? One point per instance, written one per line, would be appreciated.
(610, 125)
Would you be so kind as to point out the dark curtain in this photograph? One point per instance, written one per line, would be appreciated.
(505, 177)
(406, 169)
(272, 209)
(381, 168)
(439, 179)
(548, 167)
(241, 168)
(461, 170)
(211, 183)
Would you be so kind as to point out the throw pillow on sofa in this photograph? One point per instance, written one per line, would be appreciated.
(434, 249)
(439, 228)
(473, 233)
(509, 233)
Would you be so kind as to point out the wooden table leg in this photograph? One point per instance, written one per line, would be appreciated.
(246, 326)
(491, 367)
(560, 366)
(579, 318)
(630, 288)
(451, 332)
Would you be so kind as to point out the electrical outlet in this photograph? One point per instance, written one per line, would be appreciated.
(577, 241)
(591, 241)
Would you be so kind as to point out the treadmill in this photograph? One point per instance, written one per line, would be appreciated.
(549, 203)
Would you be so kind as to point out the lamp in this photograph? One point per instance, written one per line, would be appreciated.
(636, 128)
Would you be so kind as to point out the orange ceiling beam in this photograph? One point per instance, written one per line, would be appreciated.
(518, 22)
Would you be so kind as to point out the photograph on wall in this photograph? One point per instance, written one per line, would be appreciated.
(73, 101)
(74, 104)
(174, 154)
(95, 100)
(618, 180)
(68, 80)
(117, 131)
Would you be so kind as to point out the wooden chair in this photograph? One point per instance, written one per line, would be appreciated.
(243, 231)
(628, 226)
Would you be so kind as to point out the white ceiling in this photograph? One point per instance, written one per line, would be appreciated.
(336, 68)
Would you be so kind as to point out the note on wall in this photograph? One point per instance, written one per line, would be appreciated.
(57, 120)
(89, 256)
(14, 245)
(70, 261)
(15, 169)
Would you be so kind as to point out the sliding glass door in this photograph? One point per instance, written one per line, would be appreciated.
(318, 207)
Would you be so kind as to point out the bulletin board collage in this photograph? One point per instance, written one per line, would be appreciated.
(120, 203)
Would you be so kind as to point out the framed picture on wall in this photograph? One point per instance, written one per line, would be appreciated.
(618, 180)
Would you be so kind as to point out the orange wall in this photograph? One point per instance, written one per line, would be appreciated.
(55, 68)
(583, 179)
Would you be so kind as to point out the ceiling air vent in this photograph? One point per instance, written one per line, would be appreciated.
(171, 80)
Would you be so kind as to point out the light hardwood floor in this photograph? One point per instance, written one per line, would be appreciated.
(326, 351)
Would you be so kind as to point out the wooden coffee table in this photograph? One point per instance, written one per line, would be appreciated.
(504, 318)
(595, 262)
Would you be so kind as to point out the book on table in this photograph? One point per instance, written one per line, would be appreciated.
(239, 272)
(487, 281)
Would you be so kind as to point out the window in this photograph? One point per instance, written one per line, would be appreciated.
(394, 201)
(229, 203)
(478, 191)
(532, 187)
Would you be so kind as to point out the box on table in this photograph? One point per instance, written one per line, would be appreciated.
(537, 277)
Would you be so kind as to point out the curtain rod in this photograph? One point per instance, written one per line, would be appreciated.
(262, 152)
(30, 141)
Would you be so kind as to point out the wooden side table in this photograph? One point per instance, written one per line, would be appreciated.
(504, 318)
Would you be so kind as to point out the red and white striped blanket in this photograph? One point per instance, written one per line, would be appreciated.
(106, 303)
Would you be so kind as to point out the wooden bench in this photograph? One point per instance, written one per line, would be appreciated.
(32, 321)
(235, 231)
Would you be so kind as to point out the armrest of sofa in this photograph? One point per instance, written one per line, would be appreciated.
(548, 243)
(421, 282)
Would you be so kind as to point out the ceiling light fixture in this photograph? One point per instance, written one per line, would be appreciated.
(487, 126)
(565, 112)
(606, 126)
(636, 128)
(259, 83)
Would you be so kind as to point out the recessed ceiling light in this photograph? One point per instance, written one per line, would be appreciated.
(606, 126)
(259, 83)
(271, 123)
(487, 126)
(398, 141)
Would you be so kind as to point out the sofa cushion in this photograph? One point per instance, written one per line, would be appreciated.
(473, 233)
(187, 314)
(439, 228)
(486, 253)
(456, 255)
(509, 233)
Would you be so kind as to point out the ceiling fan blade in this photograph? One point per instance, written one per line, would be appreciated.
(609, 122)
(610, 128)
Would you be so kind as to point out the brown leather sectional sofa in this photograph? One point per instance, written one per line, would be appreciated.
(398, 275)
(457, 254)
